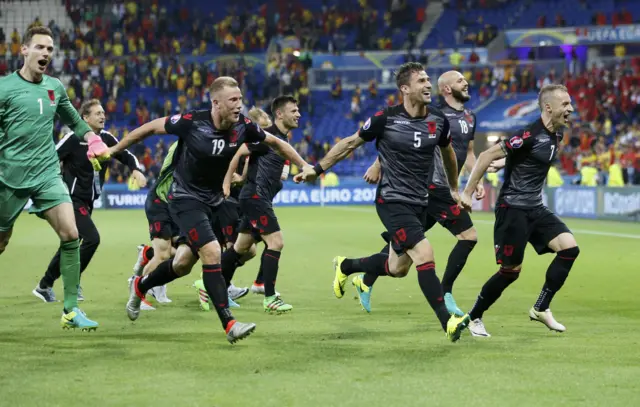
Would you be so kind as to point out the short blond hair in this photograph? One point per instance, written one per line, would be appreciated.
(548, 90)
(221, 83)
(85, 108)
(259, 116)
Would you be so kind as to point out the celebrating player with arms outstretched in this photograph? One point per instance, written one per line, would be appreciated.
(442, 208)
(521, 216)
(29, 169)
(85, 181)
(406, 137)
(209, 141)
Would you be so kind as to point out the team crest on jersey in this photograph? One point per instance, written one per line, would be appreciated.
(367, 124)
(433, 127)
(247, 120)
(52, 97)
(468, 117)
(233, 140)
(174, 119)
(516, 142)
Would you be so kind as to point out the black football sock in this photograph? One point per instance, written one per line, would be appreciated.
(456, 262)
(492, 290)
(432, 290)
(369, 279)
(147, 253)
(260, 276)
(163, 274)
(375, 264)
(557, 274)
(269, 267)
(217, 290)
(229, 264)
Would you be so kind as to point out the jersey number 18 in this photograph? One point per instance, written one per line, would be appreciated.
(463, 126)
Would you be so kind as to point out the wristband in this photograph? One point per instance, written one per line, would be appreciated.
(318, 169)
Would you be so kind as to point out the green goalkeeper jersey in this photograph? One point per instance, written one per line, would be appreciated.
(27, 110)
(166, 173)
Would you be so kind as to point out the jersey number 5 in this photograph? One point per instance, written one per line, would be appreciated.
(417, 140)
(218, 146)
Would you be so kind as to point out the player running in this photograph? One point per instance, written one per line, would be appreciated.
(521, 216)
(441, 207)
(163, 231)
(406, 137)
(256, 200)
(259, 116)
(85, 181)
(209, 141)
(257, 287)
(29, 168)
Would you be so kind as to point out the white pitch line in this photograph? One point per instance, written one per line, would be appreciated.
(489, 222)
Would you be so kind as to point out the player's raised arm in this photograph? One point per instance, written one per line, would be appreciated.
(156, 126)
(372, 129)
(285, 150)
(338, 153)
(127, 158)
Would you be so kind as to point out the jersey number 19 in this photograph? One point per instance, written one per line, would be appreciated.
(218, 146)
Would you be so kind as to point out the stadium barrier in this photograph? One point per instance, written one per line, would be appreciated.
(622, 204)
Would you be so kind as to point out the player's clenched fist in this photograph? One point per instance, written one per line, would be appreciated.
(97, 148)
(307, 174)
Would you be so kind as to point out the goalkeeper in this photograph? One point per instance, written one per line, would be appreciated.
(29, 169)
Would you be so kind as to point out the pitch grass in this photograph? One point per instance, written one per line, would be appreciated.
(327, 352)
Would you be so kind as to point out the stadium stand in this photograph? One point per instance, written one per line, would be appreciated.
(152, 58)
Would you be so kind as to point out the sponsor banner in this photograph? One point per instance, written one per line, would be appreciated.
(509, 113)
(573, 36)
(574, 202)
(389, 59)
(288, 196)
(620, 204)
(326, 196)
(124, 199)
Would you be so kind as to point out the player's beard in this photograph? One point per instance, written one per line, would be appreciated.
(292, 124)
(459, 96)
